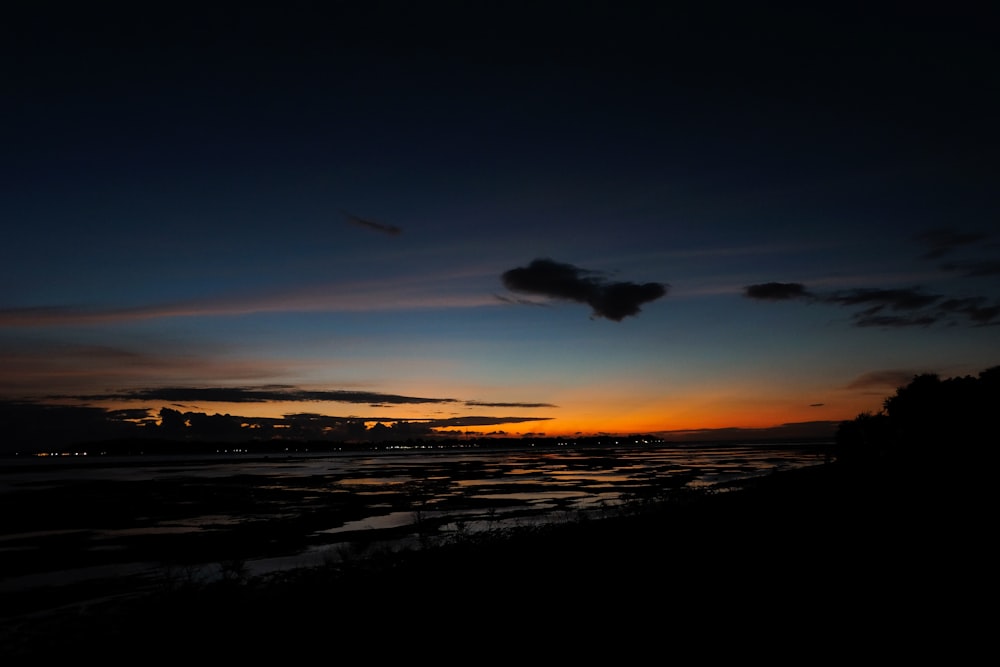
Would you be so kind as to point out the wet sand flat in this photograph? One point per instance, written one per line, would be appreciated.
(169, 519)
(808, 551)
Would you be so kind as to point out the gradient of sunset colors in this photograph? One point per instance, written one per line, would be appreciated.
(563, 220)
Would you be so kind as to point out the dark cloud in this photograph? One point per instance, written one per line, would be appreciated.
(371, 224)
(926, 309)
(888, 308)
(920, 309)
(33, 427)
(974, 308)
(610, 300)
(816, 405)
(776, 291)
(895, 299)
(267, 393)
(509, 405)
(520, 302)
(128, 414)
(882, 379)
(944, 241)
(387, 428)
(908, 307)
(480, 421)
(940, 242)
(29, 426)
(182, 396)
(868, 319)
(183, 423)
(974, 268)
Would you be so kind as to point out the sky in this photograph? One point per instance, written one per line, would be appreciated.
(418, 219)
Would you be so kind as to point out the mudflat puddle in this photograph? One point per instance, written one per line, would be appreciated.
(69, 523)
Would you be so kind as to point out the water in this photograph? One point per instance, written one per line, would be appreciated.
(77, 519)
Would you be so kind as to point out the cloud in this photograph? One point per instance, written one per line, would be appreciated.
(876, 302)
(185, 396)
(776, 291)
(889, 378)
(880, 300)
(896, 299)
(30, 426)
(924, 309)
(283, 393)
(973, 308)
(974, 268)
(940, 242)
(870, 319)
(33, 426)
(268, 393)
(887, 308)
(391, 230)
(508, 405)
(907, 307)
(391, 428)
(944, 241)
(480, 421)
(520, 302)
(425, 292)
(610, 300)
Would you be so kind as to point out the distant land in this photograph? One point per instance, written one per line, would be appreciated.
(29, 427)
(148, 446)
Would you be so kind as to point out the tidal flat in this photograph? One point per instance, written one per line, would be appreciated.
(134, 521)
(798, 548)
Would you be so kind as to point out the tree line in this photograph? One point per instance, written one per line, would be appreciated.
(928, 420)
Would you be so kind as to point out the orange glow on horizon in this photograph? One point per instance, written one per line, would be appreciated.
(575, 415)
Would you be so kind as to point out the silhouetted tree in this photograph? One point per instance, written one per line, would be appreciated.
(866, 438)
(928, 420)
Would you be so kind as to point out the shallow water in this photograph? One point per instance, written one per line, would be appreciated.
(80, 519)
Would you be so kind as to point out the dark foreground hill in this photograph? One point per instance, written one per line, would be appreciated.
(820, 562)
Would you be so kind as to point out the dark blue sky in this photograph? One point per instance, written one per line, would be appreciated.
(201, 198)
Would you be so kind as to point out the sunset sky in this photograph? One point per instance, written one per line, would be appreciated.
(511, 220)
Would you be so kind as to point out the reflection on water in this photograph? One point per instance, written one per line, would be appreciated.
(391, 520)
(325, 506)
(533, 497)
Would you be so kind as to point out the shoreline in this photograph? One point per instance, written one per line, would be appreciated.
(794, 537)
(72, 525)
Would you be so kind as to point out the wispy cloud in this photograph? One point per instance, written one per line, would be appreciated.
(907, 307)
(520, 302)
(940, 242)
(418, 292)
(267, 393)
(974, 268)
(180, 395)
(391, 230)
(883, 379)
(904, 307)
(776, 291)
(608, 299)
(40, 367)
(465, 422)
(884, 307)
(508, 405)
